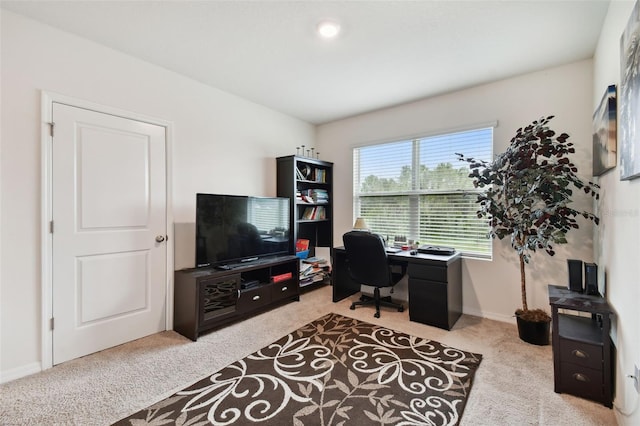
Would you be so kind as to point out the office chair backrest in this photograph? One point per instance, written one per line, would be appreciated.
(367, 258)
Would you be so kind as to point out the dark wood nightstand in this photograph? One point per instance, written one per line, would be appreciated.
(583, 354)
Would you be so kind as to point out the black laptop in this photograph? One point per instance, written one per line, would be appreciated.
(438, 250)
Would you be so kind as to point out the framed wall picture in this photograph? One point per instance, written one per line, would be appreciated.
(630, 98)
(604, 133)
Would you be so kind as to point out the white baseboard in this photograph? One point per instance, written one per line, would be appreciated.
(511, 319)
(398, 297)
(17, 373)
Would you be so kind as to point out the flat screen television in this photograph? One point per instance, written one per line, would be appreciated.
(232, 229)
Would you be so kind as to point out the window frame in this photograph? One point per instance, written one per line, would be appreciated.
(415, 193)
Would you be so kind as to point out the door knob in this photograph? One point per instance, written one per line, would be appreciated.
(159, 238)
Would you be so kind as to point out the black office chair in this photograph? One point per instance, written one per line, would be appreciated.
(368, 265)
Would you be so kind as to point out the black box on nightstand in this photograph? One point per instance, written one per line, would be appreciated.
(575, 275)
(591, 278)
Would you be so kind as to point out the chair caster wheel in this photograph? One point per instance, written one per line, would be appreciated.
(352, 307)
(377, 315)
(401, 309)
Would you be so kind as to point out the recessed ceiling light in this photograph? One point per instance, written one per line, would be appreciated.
(328, 29)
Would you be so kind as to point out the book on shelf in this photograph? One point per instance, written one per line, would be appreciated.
(281, 277)
(302, 244)
(320, 195)
(310, 271)
(320, 213)
(313, 269)
(312, 279)
(312, 260)
(316, 196)
(305, 268)
(314, 213)
(308, 213)
(320, 175)
(304, 198)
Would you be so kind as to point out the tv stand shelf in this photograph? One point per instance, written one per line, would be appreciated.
(207, 298)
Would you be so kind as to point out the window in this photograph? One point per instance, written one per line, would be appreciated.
(418, 188)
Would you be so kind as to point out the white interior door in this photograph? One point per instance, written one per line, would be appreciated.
(109, 231)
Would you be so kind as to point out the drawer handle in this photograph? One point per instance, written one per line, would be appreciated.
(579, 354)
(256, 297)
(285, 288)
(580, 377)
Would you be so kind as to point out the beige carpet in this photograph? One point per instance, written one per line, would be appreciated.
(513, 386)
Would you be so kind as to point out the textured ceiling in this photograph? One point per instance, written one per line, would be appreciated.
(389, 52)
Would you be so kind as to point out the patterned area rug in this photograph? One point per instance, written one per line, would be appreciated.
(333, 371)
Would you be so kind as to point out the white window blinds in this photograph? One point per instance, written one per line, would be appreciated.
(418, 188)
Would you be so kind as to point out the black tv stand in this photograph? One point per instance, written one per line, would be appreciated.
(208, 298)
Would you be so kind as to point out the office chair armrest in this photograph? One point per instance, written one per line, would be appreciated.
(397, 270)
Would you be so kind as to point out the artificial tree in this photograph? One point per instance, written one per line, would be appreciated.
(528, 196)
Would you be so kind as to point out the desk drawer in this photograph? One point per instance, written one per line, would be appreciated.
(582, 354)
(428, 272)
(428, 303)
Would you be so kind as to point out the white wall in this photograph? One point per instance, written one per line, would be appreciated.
(221, 143)
(490, 288)
(618, 237)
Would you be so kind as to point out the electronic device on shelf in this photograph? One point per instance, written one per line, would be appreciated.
(224, 267)
(236, 229)
(246, 284)
(438, 250)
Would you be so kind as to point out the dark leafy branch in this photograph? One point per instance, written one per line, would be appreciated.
(528, 191)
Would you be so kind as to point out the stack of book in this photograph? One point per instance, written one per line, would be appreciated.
(304, 196)
(319, 195)
(315, 196)
(313, 270)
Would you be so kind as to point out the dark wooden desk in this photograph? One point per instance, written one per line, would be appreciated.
(435, 285)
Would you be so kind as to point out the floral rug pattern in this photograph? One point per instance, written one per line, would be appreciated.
(333, 371)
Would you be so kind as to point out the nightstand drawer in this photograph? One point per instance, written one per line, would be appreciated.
(582, 381)
(582, 354)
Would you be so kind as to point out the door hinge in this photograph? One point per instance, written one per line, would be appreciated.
(51, 323)
(51, 227)
(51, 125)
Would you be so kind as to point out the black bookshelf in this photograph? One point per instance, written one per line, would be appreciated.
(308, 183)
